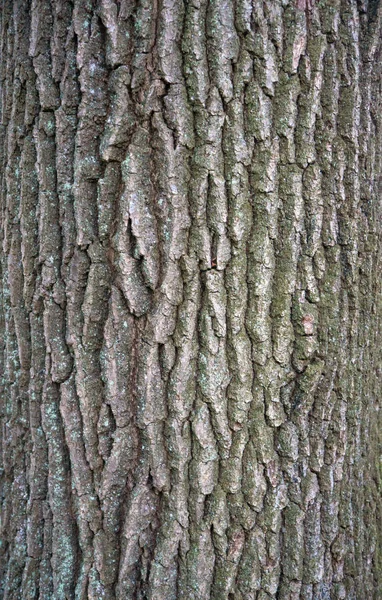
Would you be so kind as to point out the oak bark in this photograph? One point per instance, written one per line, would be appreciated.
(191, 300)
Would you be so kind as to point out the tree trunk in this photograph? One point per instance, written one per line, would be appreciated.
(191, 229)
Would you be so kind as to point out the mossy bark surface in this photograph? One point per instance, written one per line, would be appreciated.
(191, 299)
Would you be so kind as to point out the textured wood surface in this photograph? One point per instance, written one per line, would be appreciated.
(190, 316)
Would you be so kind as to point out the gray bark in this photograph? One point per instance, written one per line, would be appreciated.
(191, 299)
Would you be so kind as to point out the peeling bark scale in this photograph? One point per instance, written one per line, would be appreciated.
(191, 299)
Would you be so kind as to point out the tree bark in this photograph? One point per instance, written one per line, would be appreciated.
(191, 299)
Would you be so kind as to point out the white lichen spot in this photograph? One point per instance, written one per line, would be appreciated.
(308, 324)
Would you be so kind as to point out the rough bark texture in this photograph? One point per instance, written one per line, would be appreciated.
(191, 226)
